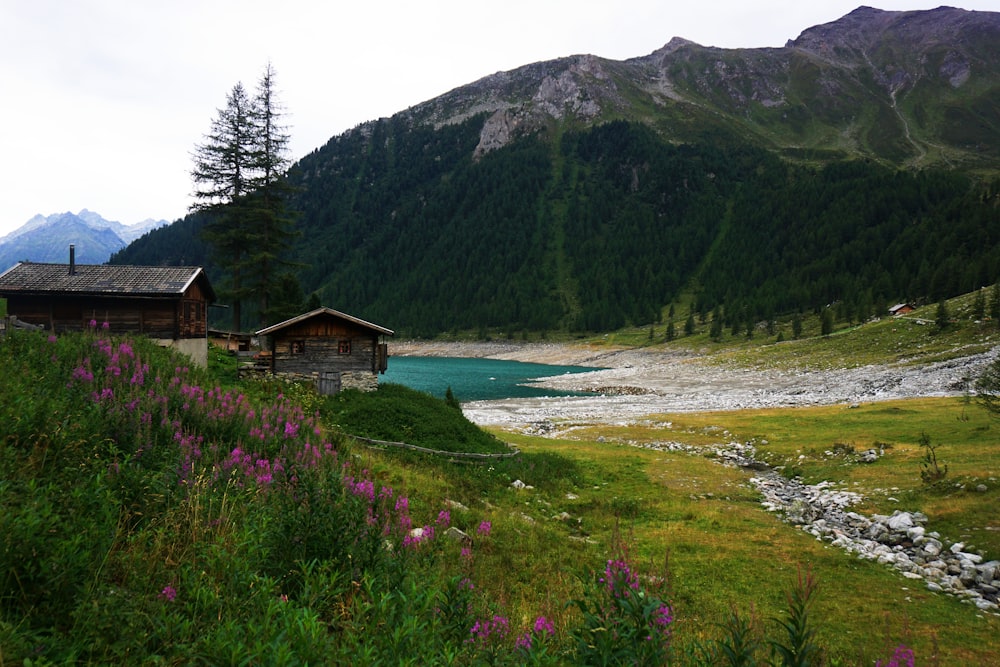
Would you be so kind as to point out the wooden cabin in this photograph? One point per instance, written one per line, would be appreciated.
(902, 309)
(335, 350)
(166, 303)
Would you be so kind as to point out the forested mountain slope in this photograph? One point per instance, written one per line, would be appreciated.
(855, 165)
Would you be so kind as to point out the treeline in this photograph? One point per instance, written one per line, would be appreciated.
(852, 235)
(593, 229)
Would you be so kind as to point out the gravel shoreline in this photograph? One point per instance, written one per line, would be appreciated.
(629, 384)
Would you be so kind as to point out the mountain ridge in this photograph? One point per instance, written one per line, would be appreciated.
(584, 193)
(746, 88)
(47, 238)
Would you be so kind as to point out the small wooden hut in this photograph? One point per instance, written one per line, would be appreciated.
(335, 350)
(166, 303)
(902, 309)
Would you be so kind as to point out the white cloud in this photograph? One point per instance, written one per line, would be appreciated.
(105, 99)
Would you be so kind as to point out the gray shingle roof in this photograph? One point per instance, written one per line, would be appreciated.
(38, 278)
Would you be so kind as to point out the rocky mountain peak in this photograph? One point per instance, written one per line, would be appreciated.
(896, 70)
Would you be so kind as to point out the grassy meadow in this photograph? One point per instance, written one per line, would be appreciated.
(152, 513)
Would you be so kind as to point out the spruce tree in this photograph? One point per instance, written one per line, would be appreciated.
(223, 177)
(271, 225)
(239, 175)
(942, 318)
(995, 303)
(826, 322)
(715, 331)
(979, 305)
(689, 324)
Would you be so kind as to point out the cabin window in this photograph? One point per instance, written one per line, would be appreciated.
(344, 347)
(298, 347)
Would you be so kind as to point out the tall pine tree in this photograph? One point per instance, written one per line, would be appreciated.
(223, 176)
(270, 222)
(239, 174)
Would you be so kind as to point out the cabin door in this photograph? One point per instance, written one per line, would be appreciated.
(329, 383)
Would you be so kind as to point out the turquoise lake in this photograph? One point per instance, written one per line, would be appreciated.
(474, 379)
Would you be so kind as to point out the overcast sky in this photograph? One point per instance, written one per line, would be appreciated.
(106, 99)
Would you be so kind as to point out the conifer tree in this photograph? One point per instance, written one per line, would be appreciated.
(995, 303)
(222, 173)
(716, 329)
(942, 318)
(270, 221)
(826, 322)
(979, 305)
(239, 174)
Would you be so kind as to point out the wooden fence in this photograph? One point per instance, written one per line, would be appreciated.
(474, 456)
(11, 322)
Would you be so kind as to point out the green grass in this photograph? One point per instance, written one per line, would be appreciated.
(725, 550)
(106, 543)
(397, 413)
(913, 338)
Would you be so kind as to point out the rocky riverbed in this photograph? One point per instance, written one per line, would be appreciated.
(629, 384)
(899, 540)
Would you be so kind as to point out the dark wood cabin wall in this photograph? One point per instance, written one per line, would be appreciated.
(157, 318)
(323, 355)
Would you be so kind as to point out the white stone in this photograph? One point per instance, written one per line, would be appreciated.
(457, 535)
(932, 547)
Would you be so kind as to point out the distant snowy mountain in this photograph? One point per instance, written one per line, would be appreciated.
(47, 238)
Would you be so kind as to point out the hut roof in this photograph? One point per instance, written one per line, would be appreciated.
(90, 279)
(324, 312)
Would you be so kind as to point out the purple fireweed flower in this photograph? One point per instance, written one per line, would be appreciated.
(484, 528)
(82, 374)
(93, 324)
(52, 338)
(444, 518)
(618, 577)
(544, 626)
(483, 631)
(169, 593)
(662, 618)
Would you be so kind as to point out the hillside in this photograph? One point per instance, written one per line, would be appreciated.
(856, 165)
(152, 516)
